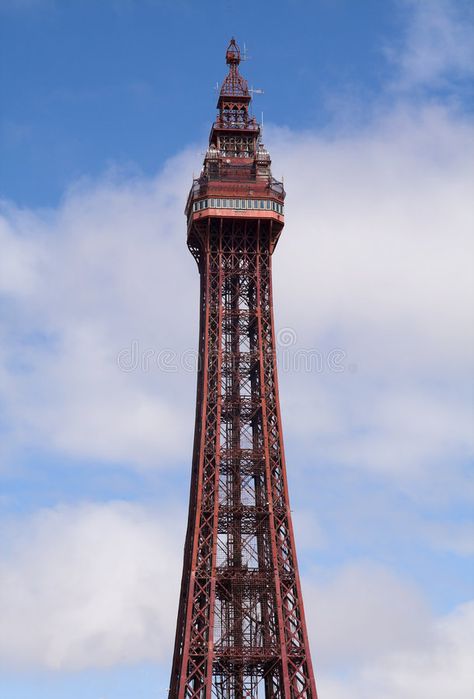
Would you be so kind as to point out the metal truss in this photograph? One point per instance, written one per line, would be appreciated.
(241, 628)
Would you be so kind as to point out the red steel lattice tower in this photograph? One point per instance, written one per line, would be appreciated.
(241, 631)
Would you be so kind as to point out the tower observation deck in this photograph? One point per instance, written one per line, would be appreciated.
(241, 630)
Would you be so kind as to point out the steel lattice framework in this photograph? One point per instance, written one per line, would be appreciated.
(241, 631)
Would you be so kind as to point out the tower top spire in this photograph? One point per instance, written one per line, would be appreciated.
(234, 84)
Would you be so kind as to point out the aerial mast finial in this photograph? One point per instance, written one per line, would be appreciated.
(232, 56)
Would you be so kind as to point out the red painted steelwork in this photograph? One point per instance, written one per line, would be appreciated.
(241, 631)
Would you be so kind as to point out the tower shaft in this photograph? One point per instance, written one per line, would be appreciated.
(241, 631)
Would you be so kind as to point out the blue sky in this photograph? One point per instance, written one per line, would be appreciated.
(105, 113)
(86, 83)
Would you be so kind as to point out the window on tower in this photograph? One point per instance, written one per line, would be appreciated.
(237, 146)
(259, 204)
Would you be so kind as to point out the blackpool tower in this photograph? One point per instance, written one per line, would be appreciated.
(241, 630)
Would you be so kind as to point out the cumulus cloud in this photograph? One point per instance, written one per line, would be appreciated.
(457, 537)
(374, 636)
(99, 327)
(443, 667)
(378, 237)
(362, 612)
(82, 283)
(88, 586)
(93, 585)
(374, 260)
(437, 48)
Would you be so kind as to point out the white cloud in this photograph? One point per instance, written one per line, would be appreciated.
(457, 537)
(442, 668)
(384, 219)
(438, 47)
(375, 259)
(89, 586)
(83, 282)
(94, 585)
(309, 533)
(373, 636)
(17, 275)
(362, 612)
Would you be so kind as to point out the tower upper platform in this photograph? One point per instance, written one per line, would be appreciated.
(236, 178)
